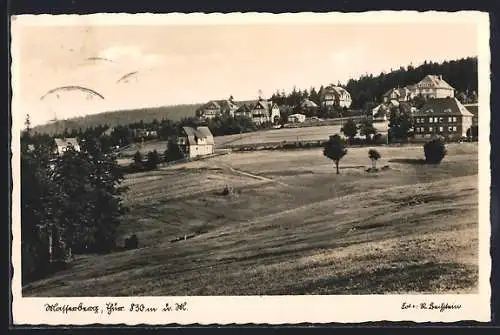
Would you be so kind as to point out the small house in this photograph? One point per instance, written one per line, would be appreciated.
(196, 142)
(62, 144)
(296, 118)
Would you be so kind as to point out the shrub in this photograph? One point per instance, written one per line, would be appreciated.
(374, 156)
(434, 151)
(132, 242)
(379, 139)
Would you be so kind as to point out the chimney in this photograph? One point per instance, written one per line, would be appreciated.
(440, 77)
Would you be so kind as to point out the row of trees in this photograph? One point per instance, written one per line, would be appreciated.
(70, 203)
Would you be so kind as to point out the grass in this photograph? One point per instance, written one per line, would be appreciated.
(292, 226)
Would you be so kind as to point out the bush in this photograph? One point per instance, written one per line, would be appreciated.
(132, 242)
(434, 151)
(379, 139)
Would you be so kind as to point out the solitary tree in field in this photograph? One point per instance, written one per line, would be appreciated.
(335, 150)
(374, 155)
(349, 129)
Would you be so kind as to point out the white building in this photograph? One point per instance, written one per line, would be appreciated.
(196, 142)
(296, 118)
(335, 96)
(62, 144)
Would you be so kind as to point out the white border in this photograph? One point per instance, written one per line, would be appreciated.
(268, 309)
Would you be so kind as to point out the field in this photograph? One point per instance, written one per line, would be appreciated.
(316, 133)
(292, 226)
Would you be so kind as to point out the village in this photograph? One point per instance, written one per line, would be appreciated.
(204, 202)
(439, 113)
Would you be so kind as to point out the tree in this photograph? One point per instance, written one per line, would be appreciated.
(350, 129)
(367, 129)
(173, 152)
(335, 150)
(434, 151)
(153, 160)
(374, 155)
(400, 124)
(473, 132)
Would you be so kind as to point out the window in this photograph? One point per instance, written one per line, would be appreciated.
(454, 128)
(449, 118)
(440, 129)
(430, 129)
(450, 129)
(441, 119)
(430, 120)
(435, 120)
(447, 110)
(454, 119)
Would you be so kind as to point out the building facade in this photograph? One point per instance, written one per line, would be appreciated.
(296, 118)
(216, 108)
(263, 111)
(446, 117)
(335, 97)
(432, 87)
(196, 142)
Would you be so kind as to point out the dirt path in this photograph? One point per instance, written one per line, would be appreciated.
(251, 175)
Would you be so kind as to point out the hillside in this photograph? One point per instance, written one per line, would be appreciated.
(122, 117)
(292, 227)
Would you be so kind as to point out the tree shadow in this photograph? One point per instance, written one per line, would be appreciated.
(413, 161)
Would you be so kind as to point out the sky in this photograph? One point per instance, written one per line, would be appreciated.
(177, 64)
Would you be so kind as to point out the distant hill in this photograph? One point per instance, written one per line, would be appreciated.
(121, 117)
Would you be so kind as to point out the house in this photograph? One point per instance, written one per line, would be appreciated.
(380, 113)
(215, 108)
(398, 94)
(442, 116)
(196, 142)
(62, 144)
(432, 86)
(296, 118)
(243, 110)
(307, 107)
(473, 108)
(335, 96)
(264, 111)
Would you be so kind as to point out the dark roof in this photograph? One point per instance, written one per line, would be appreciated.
(443, 106)
(473, 108)
(200, 132)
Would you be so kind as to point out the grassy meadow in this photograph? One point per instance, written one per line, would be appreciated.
(292, 226)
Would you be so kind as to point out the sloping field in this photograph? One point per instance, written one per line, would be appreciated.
(292, 227)
(317, 133)
(287, 134)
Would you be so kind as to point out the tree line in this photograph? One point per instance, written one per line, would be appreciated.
(70, 203)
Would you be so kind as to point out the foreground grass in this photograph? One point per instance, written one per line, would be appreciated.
(408, 229)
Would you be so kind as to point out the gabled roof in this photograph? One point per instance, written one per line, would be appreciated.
(435, 82)
(200, 132)
(443, 107)
(306, 103)
(337, 90)
(219, 104)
